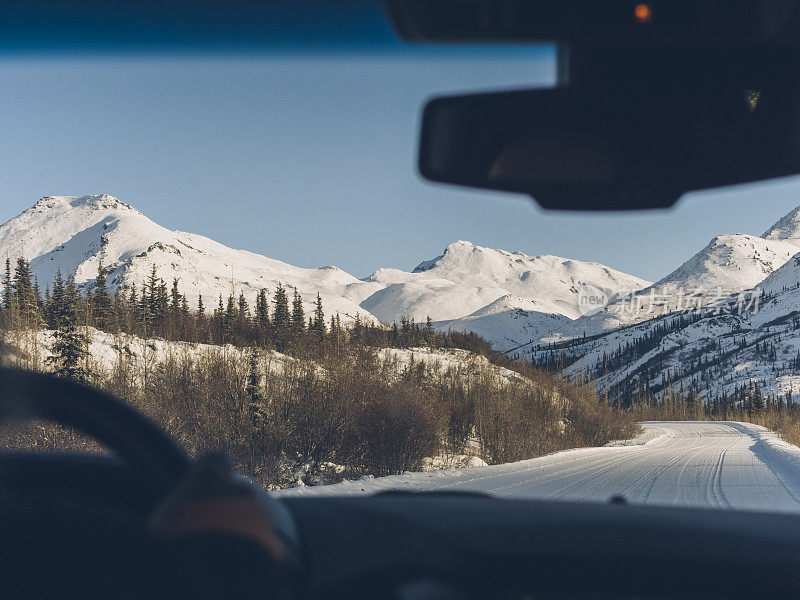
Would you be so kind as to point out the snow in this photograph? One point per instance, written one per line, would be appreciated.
(105, 349)
(507, 298)
(515, 301)
(787, 228)
(444, 359)
(724, 349)
(509, 321)
(707, 464)
(729, 263)
(690, 353)
(552, 282)
(75, 234)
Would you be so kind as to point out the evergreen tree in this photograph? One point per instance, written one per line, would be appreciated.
(185, 316)
(430, 334)
(144, 312)
(101, 310)
(228, 319)
(55, 308)
(161, 305)
(25, 295)
(257, 405)
(199, 325)
(174, 306)
(298, 321)
(153, 303)
(70, 345)
(219, 321)
(243, 314)
(262, 310)
(334, 335)
(280, 314)
(318, 323)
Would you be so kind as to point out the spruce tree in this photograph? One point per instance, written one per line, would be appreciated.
(55, 307)
(243, 314)
(228, 319)
(174, 309)
(185, 312)
(262, 310)
(153, 300)
(70, 345)
(298, 321)
(144, 312)
(430, 335)
(25, 295)
(280, 314)
(200, 323)
(219, 321)
(318, 324)
(101, 300)
(161, 305)
(257, 406)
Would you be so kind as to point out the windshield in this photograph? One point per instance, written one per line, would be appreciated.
(238, 244)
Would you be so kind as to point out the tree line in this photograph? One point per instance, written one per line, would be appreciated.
(153, 309)
(335, 407)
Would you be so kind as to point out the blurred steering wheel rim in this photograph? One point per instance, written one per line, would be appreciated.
(142, 445)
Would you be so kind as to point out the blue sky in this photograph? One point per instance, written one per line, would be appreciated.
(308, 157)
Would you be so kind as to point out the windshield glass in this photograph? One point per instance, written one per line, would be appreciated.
(239, 245)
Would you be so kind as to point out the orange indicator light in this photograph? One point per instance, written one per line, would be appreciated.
(643, 13)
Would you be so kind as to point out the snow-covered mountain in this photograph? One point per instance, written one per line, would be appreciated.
(507, 321)
(787, 228)
(74, 234)
(551, 281)
(730, 263)
(509, 298)
(750, 332)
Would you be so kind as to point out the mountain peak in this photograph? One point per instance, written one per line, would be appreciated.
(457, 247)
(94, 201)
(787, 227)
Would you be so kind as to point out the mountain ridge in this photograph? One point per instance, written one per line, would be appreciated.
(75, 234)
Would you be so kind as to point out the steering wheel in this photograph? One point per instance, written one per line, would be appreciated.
(124, 431)
(57, 543)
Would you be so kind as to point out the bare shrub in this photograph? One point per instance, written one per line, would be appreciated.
(396, 429)
(348, 413)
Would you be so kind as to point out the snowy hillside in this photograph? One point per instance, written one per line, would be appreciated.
(729, 264)
(748, 330)
(714, 354)
(649, 334)
(787, 228)
(509, 321)
(105, 350)
(752, 336)
(75, 234)
(551, 281)
(509, 298)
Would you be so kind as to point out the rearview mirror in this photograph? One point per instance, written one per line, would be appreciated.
(612, 149)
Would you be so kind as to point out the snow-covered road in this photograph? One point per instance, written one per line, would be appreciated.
(714, 464)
